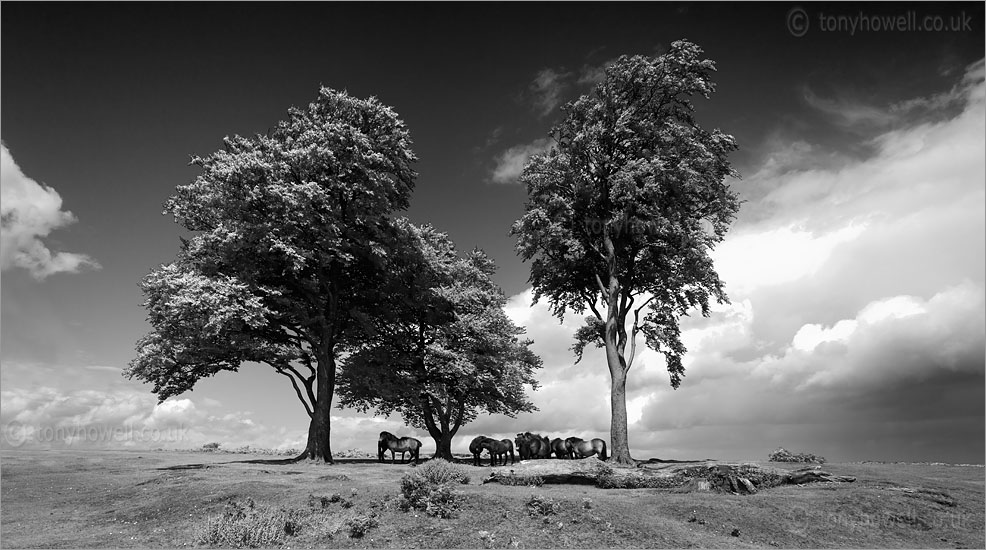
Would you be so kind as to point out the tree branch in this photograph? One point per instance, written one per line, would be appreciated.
(297, 391)
(635, 330)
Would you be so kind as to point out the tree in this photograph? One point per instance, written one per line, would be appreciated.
(624, 209)
(291, 237)
(444, 350)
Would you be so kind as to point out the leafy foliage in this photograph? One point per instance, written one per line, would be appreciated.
(249, 525)
(624, 209)
(430, 489)
(783, 455)
(444, 350)
(438, 471)
(291, 233)
(360, 524)
(540, 506)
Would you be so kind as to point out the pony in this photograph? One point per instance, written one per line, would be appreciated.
(389, 441)
(498, 449)
(560, 449)
(532, 446)
(582, 449)
(477, 446)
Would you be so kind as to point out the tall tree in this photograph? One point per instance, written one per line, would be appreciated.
(444, 350)
(291, 233)
(624, 210)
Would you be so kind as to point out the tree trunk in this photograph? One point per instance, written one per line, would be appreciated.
(620, 442)
(614, 337)
(318, 449)
(443, 446)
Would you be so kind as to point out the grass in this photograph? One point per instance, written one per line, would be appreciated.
(122, 499)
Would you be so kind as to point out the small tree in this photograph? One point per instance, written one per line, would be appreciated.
(444, 348)
(291, 232)
(624, 209)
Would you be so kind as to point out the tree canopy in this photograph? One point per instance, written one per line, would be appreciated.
(444, 349)
(624, 209)
(291, 236)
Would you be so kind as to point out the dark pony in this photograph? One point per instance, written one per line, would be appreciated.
(532, 446)
(477, 446)
(560, 449)
(389, 441)
(498, 449)
(582, 449)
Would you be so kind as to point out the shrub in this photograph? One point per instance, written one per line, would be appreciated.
(210, 447)
(318, 503)
(783, 455)
(360, 524)
(248, 525)
(430, 489)
(415, 489)
(539, 505)
(438, 471)
(442, 502)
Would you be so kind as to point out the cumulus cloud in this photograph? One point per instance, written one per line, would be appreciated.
(29, 212)
(50, 417)
(856, 328)
(510, 163)
(547, 90)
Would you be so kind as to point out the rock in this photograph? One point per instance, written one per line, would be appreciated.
(747, 485)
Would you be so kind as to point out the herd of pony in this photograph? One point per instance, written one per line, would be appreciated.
(528, 446)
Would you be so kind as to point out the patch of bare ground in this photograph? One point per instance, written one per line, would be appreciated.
(154, 499)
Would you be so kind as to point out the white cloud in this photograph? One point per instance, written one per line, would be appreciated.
(29, 212)
(510, 163)
(849, 112)
(810, 336)
(773, 256)
(547, 90)
(857, 317)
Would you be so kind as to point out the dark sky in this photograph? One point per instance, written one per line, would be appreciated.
(104, 103)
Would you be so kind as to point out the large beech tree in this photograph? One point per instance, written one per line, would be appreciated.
(290, 239)
(624, 210)
(443, 350)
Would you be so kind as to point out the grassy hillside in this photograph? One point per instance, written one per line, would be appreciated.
(130, 499)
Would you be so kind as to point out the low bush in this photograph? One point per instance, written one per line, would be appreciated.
(540, 506)
(359, 525)
(783, 455)
(438, 471)
(429, 488)
(249, 525)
